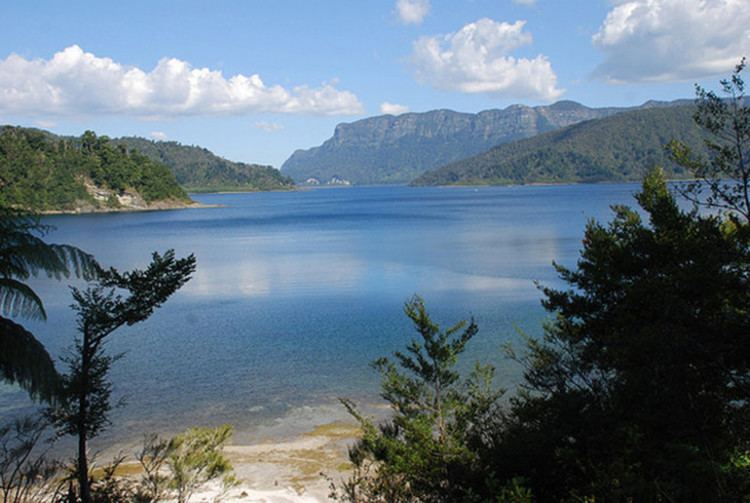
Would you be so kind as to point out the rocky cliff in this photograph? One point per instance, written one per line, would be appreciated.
(623, 147)
(396, 149)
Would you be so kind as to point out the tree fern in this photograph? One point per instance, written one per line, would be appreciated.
(24, 361)
(24, 254)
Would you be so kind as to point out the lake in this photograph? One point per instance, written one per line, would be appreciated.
(295, 293)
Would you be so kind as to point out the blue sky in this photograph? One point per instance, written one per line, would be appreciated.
(255, 80)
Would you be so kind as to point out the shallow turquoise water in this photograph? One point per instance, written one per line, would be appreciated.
(296, 293)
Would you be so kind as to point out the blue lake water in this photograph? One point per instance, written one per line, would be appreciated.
(295, 293)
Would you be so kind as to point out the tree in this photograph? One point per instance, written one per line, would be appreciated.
(639, 389)
(101, 309)
(24, 254)
(195, 457)
(152, 457)
(421, 453)
(183, 463)
(722, 180)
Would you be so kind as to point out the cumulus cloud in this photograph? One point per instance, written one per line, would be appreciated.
(158, 135)
(412, 11)
(75, 82)
(662, 40)
(268, 127)
(477, 59)
(393, 108)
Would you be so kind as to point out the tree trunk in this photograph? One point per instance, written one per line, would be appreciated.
(83, 465)
(83, 470)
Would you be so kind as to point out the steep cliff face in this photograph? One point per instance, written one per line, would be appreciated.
(396, 149)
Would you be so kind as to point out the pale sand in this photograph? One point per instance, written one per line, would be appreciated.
(291, 471)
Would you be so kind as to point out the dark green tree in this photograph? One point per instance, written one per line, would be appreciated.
(421, 453)
(41, 172)
(113, 300)
(25, 254)
(723, 179)
(639, 389)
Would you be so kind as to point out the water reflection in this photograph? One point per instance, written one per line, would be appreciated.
(282, 275)
(296, 293)
(332, 274)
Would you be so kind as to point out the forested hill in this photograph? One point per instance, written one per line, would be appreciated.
(622, 147)
(198, 169)
(44, 172)
(396, 149)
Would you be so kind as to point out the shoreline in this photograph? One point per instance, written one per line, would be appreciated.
(131, 209)
(293, 470)
(297, 469)
(241, 191)
(543, 184)
(292, 458)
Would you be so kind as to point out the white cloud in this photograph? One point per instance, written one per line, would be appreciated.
(524, 2)
(477, 59)
(662, 40)
(158, 135)
(74, 82)
(393, 108)
(412, 11)
(268, 127)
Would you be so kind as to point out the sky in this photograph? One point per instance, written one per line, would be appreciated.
(255, 80)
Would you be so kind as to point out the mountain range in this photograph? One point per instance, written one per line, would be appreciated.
(563, 142)
(397, 149)
(621, 147)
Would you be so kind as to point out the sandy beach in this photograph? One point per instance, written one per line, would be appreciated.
(291, 471)
(295, 470)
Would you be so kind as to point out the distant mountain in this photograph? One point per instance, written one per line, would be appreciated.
(199, 170)
(44, 172)
(617, 148)
(396, 149)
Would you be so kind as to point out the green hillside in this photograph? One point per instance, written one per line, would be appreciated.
(618, 148)
(397, 149)
(199, 170)
(44, 172)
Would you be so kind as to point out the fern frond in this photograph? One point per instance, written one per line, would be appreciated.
(24, 361)
(18, 299)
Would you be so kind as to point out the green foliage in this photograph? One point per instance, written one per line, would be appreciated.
(24, 254)
(638, 390)
(422, 453)
(723, 177)
(622, 147)
(42, 172)
(515, 491)
(152, 457)
(388, 149)
(101, 309)
(198, 170)
(25, 361)
(183, 463)
(195, 457)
